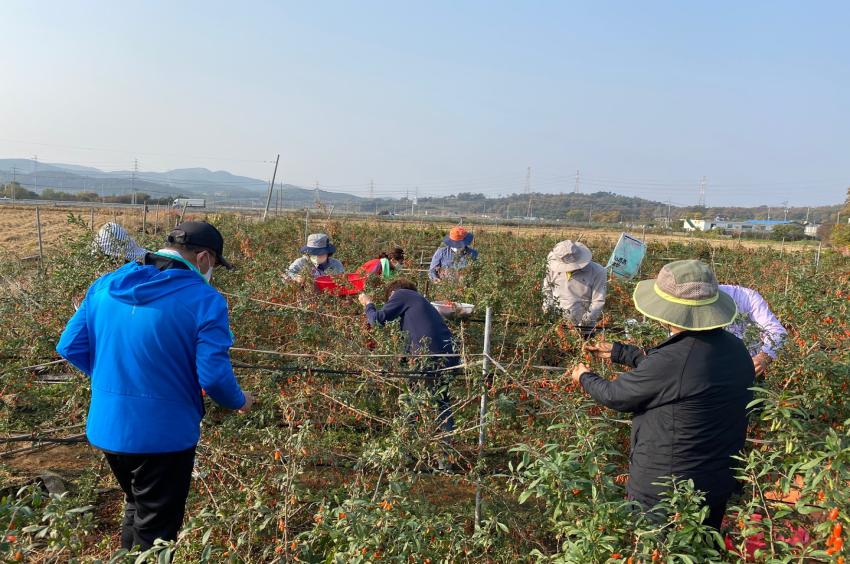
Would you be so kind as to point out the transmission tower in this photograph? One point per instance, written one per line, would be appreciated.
(577, 189)
(316, 191)
(701, 202)
(528, 190)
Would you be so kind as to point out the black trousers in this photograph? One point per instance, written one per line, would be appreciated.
(155, 488)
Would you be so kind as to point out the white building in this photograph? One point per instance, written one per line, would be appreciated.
(811, 229)
(747, 226)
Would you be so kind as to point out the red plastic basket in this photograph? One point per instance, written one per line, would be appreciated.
(327, 284)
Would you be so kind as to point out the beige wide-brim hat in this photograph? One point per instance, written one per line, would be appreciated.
(685, 294)
(568, 256)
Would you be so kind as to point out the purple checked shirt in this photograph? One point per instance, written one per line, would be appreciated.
(755, 325)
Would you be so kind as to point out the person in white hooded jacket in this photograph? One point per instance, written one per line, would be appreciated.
(575, 285)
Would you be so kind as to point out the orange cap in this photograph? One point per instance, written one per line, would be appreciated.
(457, 234)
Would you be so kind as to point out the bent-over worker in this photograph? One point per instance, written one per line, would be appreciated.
(427, 334)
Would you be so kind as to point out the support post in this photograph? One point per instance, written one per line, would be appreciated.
(271, 189)
(482, 413)
(817, 258)
(40, 245)
(145, 218)
(91, 219)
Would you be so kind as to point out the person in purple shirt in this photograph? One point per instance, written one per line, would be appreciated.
(427, 334)
(756, 325)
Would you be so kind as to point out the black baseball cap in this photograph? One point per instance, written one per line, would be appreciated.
(200, 234)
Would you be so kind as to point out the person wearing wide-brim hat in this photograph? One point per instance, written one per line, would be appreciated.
(454, 256)
(575, 285)
(689, 394)
(113, 240)
(317, 259)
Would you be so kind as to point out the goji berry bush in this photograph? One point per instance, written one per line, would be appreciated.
(340, 461)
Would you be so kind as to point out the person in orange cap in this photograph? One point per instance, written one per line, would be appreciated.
(455, 255)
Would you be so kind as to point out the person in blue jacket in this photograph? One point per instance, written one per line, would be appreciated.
(427, 334)
(457, 254)
(152, 336)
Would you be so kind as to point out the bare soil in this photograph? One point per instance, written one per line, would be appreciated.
(62, 459)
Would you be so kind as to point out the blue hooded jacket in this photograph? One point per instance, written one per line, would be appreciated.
(150, 340)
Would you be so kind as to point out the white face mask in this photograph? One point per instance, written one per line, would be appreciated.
(208, 274)
(454, 249)
(318, 259)
(170, 253)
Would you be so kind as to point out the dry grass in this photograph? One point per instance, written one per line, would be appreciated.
(19, 238)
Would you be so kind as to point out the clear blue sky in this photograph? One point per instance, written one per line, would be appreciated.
(643, 97)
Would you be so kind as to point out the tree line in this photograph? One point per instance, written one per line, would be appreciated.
(13, 190)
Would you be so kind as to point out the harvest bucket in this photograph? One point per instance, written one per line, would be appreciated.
(451, 309)
(355, 284)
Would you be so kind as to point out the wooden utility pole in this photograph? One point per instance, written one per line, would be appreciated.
(271, 188)
(40, 246)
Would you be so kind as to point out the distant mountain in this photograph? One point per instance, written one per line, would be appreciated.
(76, 178)
(216, 186)
(194, 179)
(76, 168)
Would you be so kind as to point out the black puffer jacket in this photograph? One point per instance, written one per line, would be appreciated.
(689, 396)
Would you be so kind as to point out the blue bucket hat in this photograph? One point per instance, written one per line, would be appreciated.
(318, 244)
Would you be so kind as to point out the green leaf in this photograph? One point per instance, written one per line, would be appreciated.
(523, 497)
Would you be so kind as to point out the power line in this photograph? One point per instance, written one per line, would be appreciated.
(134, 152)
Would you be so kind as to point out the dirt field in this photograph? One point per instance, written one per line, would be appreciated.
(18, 234)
